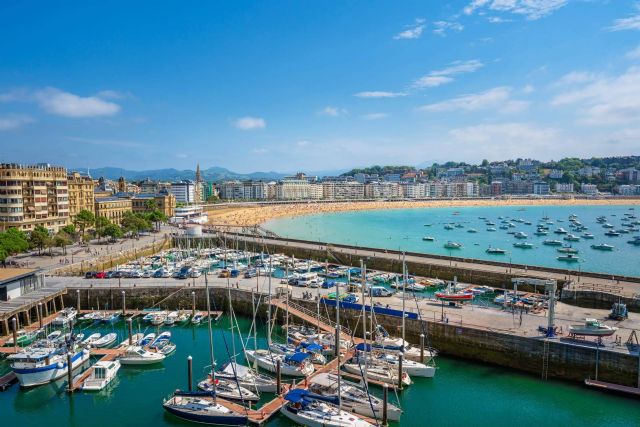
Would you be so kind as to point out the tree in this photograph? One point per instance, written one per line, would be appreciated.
(70, 230)
(157, 217)
(62, 240)
(134, 223)
(111, 230)
(39, 238)
(84, 220)
(12, 241)
(151, 205)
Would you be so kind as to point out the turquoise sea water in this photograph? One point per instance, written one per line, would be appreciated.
(461, 394)
(403, 229)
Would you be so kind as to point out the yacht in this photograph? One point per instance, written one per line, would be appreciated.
(569, 258)
(103, 373)
(592, 327)
(560, 231)
(552, 243)
(65, 317)
(523, 245)
(199, 407)
(571, 238)
(378, 371)
(520, 235)
(453, 245)
(228, 389)
(353, 397)
(247, 378)
(314, 410)
(602, 247)
(40, 365)
(495, 251)
(136, 355)
(293, 365)
(411, 367)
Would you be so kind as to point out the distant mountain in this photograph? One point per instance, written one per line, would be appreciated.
(211, 174)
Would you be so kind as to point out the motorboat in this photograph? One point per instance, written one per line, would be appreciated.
(91, 339)
(101, 375)
(183, 317)
(587, 236)
(53, 336)
(571, 238)
(159, 318)
(293, 365)
(171, 318)
(65, 317)
(384, 342)
(147, 339)
(105, 341)
(199, 407)
(567, 250)
(412, 367)
(523, 245)
(552, 243)
(136, 355)
(110, 317)
(247, 378)
(472, 230)
(560, 230)
(603, 247)
(162, 338)
(377, 371)
(313, 410)
(43, 364)
(353, 397)
(520, 235)
(569, 258)
(228, 389)
(592, 327)
(453, 245)
(166, 347)
(429, 239)
(198, 318)
(23, 338)
(495, 251)
(450, 294)
(612, 233)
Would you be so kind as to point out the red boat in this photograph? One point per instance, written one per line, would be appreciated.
(457, 296)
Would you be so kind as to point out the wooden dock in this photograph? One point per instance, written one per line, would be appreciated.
(615, 388)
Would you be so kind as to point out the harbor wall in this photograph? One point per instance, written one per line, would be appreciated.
(596, 299)
(574, 362)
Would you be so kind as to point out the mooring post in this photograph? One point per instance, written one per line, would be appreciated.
(400, 358)
(337, 341)
(278, 378)
(421, 348)
(190, 372)
(130, 327)
(39, 310)
(78, 301)
(193, 304)
(124, 304)
(14, 328)
(69, 373)
(385, 398)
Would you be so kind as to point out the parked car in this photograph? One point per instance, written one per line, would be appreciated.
(110, 274)
(328, 284)
(100, 275)
(90, 275)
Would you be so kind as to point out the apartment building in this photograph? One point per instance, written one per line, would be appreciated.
(590, 189)
(184, 191)
(81, 194)
(383, 190)
(292, 188)
(343, 190)
(113, 208)
(415, 190)
(164, 202)
(541, 188)
(32, 196)
(244, 190)
(564, 187)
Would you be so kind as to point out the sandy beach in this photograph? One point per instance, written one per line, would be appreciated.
(245, 215)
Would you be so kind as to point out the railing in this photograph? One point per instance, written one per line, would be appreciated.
(323, 319)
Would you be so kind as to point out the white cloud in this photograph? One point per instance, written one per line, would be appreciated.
(379, 94)
(497, 20)
(633, 54)
(630, 23)
(414, 31)
(576, 77)
(606, 100)
(439, 77)
(250, 123)
(528, 89)
(505, 133)
(375, 116)
(332, 111)
(14, 121)
(432, 81)
(442, 27)
(531, 9)
(303, 143)
(498, 98)
(55, 101)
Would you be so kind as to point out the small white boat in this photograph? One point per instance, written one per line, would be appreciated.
(294, 365)
(105, 341)
(162, 338)
(54, 335)
(103, 373)
(248, 378)
(312, 410)
(378, 372)
(171, 318)
(136, 355)
(65, 317)
(91, 339)
(147, 339)
(592, 327)
(198, 318)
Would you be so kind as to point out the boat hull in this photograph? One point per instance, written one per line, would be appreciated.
(220, 420)
(31, 377)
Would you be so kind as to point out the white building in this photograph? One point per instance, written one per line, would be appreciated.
(541, 188)
(342, 190)
(383, 190)
(415, 190)
(184, 191)
(590, 189)
(297, 189)
(556, 174)
(629, 190)
(564, 187)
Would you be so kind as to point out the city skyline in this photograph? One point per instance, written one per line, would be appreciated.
(316, 86)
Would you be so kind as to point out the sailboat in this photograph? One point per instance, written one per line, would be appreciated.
(201, 406)
(309, 409)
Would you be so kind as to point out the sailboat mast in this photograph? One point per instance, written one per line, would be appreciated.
(213, 373)
(269, 309)
(404, 292)
(337, 342)
(364, 319)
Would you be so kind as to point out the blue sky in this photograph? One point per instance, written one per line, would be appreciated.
(311, 85)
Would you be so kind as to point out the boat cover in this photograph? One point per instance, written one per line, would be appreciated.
(298, 395)
(310, 346)
(297, 357)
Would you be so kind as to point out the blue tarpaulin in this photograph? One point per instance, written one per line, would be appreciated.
(302, 396)
(297, 357)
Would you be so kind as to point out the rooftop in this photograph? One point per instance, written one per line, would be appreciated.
(9, 274)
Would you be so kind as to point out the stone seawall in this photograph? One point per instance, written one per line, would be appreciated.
(566, 361)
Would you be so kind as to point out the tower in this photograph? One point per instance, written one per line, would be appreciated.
(122, 185)
(199, 186)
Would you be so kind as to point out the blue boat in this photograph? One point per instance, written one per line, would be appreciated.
(199, 407)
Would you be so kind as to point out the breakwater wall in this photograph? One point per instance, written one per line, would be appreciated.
(597, 299)
(565, 360)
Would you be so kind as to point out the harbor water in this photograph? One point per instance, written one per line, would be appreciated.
(404, 229)
(461, 394)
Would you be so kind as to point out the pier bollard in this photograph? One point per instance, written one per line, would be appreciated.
(130, 327)
(400, 358)
(385, 399)
(69, 374)
(193, 304)
(190, 372)
(14, 328)
(421, 348)
(78, 300)
(39, 310)
(124, 304)
(278, 378)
